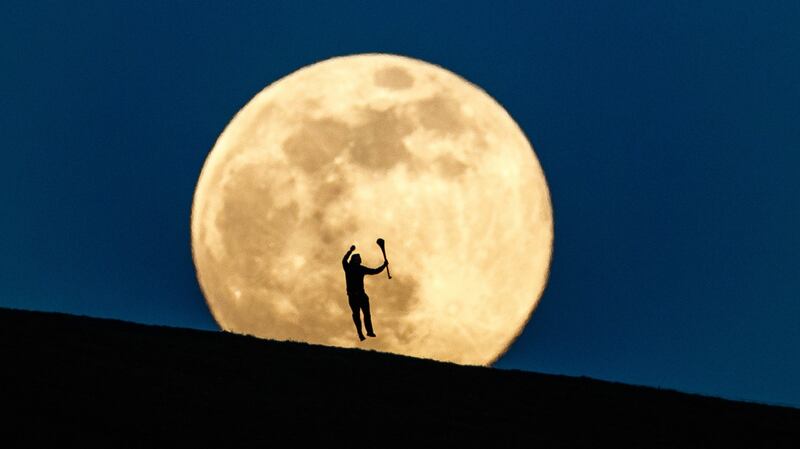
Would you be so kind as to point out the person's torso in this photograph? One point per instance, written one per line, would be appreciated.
(354, 276)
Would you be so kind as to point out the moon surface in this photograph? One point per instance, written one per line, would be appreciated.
(358, 147)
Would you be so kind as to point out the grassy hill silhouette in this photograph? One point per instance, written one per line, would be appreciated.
(96, 382)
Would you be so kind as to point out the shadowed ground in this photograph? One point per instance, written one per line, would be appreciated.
(68, 379)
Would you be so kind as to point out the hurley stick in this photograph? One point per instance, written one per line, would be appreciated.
(381, 243)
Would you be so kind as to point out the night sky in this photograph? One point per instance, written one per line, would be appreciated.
(669, 133)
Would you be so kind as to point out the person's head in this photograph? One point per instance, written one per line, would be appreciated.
(356, 259)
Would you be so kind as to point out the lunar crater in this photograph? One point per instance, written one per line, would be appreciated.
(316, 144)
(450, 167)
(441, 113)
(393, 78)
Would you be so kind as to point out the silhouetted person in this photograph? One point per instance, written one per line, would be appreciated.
(359, 301)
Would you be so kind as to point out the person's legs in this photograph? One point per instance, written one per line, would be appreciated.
(354, 307)
(367, 317)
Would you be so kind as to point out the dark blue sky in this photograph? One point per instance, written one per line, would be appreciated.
(669, 133)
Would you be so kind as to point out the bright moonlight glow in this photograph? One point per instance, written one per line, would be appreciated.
(354, 148)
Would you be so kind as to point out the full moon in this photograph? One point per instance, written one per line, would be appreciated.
(354, 148)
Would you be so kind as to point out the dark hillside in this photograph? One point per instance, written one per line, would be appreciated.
(71, 380)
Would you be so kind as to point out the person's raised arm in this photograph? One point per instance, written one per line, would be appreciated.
(368, 270)
(344, 259)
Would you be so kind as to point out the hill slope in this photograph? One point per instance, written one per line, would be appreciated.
(70, 379)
